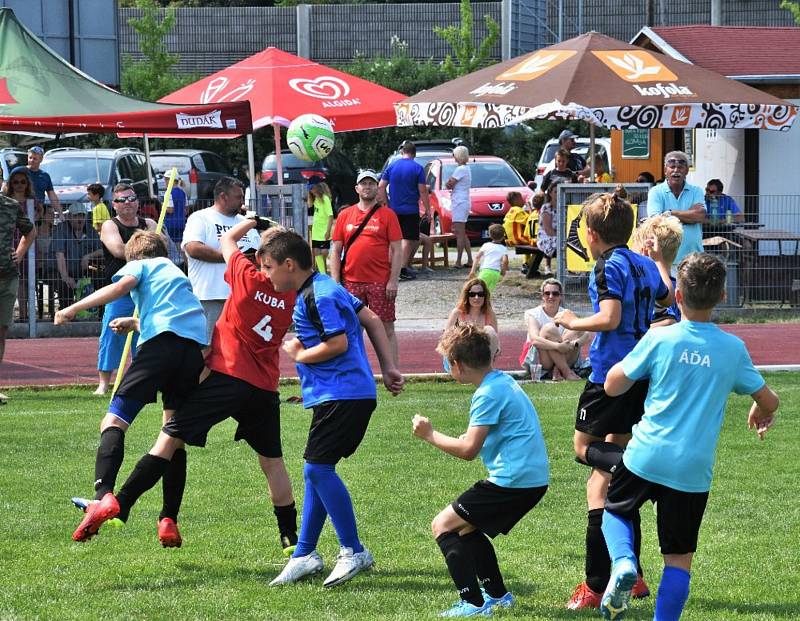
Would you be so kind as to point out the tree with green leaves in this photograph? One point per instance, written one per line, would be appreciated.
(468, 58)
(152, 77)
(793, 8)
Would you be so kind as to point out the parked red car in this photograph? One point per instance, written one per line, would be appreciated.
(492, 179)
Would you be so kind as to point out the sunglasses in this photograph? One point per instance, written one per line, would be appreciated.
(19, 181)
(675, 163)
(476, 294)
(551, 294)
(126, 199)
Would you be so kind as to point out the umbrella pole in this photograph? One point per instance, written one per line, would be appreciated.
(277, 130)
(251, 166)
(147, 163)
(591, 152)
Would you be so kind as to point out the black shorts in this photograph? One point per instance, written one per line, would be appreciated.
(167, 363)
(222, 396)
(493, 509)
(409, 225)
(598, 414)
(337, 428)
(321, 244)
(679, 513)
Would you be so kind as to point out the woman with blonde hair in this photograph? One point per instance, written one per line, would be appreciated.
(321, 208)
(459, 184)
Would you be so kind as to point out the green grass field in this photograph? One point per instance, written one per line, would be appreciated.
(747, 567)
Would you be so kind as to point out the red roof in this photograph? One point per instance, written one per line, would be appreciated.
(735, 51)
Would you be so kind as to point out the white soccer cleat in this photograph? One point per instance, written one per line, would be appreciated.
(348, 564)
(298, 568)
(618, 592)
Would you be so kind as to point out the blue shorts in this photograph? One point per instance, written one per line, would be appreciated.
(111, 345)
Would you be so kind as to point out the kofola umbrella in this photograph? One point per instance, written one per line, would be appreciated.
(281, 86)
(602, 81)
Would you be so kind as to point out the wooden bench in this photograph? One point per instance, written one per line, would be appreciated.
(533, 259)
(443, 240)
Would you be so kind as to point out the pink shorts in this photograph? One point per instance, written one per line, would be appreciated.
(373, 294)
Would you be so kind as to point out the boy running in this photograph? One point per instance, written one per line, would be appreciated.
(692, 366)
(337, 383)
(242, 383)
(504, 430)
(168, 360)
(623, 287)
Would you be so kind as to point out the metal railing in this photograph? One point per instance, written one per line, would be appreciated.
(760, 247)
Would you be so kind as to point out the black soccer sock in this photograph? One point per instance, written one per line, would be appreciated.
(486, 566)
(148, 470)
(461, 566)
(108, 460)
(287, 522)
(603, 456)
(598, 562)
(173, 484)
(637, 541)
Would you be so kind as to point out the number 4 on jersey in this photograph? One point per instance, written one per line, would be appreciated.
(263, 329)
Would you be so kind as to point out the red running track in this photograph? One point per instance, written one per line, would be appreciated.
(38, 362)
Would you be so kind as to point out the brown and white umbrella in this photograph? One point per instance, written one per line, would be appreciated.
(602, 81)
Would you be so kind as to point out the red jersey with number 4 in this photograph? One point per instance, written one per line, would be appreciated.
(248, 335)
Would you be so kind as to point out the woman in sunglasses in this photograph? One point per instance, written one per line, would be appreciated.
(474, 307)
(553, 350)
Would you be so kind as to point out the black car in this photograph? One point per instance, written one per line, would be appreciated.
(199, 170)
(427, 150)
(73, 169)
(337, 170)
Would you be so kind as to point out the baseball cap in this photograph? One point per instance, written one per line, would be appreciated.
(367, 174)
(78, 208)
(566, 134)
(37, 150)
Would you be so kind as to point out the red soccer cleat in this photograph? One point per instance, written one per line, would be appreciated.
(640, 589)
(584, 597)
(168, 534)
(96, 514)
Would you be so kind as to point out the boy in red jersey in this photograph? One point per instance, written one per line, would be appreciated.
(242, 383)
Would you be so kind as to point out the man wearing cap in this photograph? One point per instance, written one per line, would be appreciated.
(370, 235)
(405, 181)
(675, 197)
(74, 247)
(566, 141)
(201, 243)
(12, 219)
(42, 184)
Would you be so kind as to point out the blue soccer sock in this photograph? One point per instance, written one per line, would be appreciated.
(672, 594)
(313, 520)
(336, 499)
(618, 533)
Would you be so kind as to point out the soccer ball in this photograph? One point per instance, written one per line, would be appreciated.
(310, 137)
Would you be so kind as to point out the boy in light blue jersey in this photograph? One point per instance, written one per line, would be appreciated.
(504, 430)
(337, 383)
(692, 366)
(169, 360)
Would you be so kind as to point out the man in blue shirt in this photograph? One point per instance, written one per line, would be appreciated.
(337, 383)
(680, 199)
(692, 367)
(504, 430)
(405, 181)
(719, 205)
(42, 184)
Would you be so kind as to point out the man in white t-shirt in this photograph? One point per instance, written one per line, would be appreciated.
(201, 243)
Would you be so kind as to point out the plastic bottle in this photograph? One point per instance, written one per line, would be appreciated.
(728, 216)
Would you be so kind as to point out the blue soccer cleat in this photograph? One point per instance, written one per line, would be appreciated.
(464, 609)
(618, 592)
(81, 503)
(507, 601)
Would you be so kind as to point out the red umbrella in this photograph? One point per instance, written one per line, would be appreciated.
(281, 86)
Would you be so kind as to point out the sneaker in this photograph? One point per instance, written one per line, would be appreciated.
(297, 568)
(465, 609)
(168, 535)
(96, 514)
(411, 270)
(82, 503)
(507, 601)
(289, 544)
(640, 590)
(406, 275)
(584, 597)
(348, 564)
(426, 271)
(618, 592)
